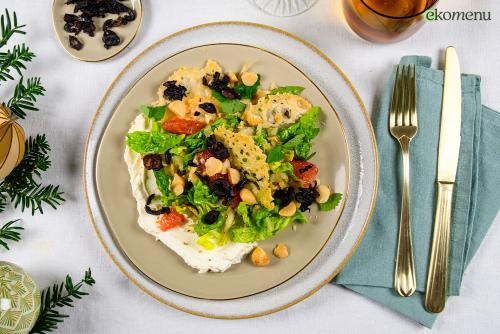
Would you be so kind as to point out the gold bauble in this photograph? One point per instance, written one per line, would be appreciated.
(11, 142)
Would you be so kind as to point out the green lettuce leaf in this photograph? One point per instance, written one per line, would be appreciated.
(284, 167)
(244, 234)
(331, 203)
(232, 107)
(194, 144)
(154, 142)
(246, 92)
(229, 121)
(306, 125)
(296, 90)
(276, 154)
(218, 96)
(210, 240)
(259, 223)
(201, 228)
(202, 198)
(155, 113)
(294, 142)
(300, 134)
(261, 140)
(228, 107)
(162, 181)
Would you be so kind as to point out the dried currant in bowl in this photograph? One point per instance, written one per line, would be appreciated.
(110, 38)
(75, 43)
(83, 19)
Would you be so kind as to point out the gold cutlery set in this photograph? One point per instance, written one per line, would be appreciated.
(403, 126)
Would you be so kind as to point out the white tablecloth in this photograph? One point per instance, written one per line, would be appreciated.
(63, 241)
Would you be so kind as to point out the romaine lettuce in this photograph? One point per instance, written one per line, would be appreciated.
(201, 228)
(162, 181)
(228, 107)
(156, 142)
(246, 92)
(202, 198)
(299, 135)
(155, 113)
(259, 223)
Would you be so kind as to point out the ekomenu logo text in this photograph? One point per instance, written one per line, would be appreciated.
(436, 15)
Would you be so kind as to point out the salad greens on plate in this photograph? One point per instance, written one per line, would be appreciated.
(230, 159)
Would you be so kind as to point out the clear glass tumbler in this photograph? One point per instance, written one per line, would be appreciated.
(284, 7)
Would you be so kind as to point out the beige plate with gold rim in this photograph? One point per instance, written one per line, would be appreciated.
(346, 156)
(153, 258)
(94, 49)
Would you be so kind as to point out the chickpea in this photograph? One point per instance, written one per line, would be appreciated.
(192, 174)
(247, 197)
(259, 257)
(226, 165)
(234, 176)
(280, 251)
(178, 189)
(288, 210)
(178, 180)
(249, 78)
(324, 194)
(213, 166)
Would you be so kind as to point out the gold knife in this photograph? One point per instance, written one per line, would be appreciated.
(449, 146)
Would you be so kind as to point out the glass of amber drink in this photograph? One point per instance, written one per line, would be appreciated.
(386, 21)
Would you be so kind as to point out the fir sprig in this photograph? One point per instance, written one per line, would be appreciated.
(9, 27)
(14, 59)
(59, 295)
(25, 96)
(22, 186)
(8, 232)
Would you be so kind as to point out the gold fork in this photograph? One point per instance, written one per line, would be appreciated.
(403, 127)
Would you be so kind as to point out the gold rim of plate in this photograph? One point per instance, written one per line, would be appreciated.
(365, 114)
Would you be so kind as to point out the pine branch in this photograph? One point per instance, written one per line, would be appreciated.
(25, 96)
(22, 186)
(9, 232)
(9, 27)
(14, 59)
(59, 295)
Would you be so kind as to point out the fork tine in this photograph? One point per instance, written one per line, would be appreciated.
(394, 102)
(408, 97)
(413, 111)
(401, 98)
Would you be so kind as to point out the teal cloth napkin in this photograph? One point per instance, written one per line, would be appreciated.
(476, 201)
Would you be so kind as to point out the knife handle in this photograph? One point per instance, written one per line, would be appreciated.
(437, 276)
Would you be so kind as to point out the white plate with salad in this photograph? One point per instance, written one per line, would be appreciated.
(223, 172)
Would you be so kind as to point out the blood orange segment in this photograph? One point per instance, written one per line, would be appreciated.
(182, 126)
(170, 220)
(306, 171)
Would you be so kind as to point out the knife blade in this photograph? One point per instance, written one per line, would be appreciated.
(451, 118)
(448, 152)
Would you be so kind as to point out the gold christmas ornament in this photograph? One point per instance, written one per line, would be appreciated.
(11, 142)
